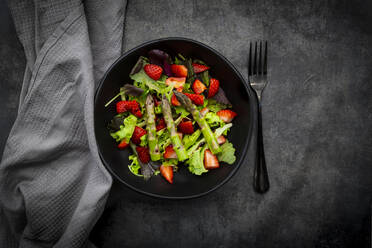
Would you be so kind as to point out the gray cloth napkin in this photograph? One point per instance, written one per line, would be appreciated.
(53, 186)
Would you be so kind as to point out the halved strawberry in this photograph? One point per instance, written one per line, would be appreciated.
(167, 172)
(198, 87)
(177, 82)
(175, 101)
(137, 134)
(221, 139)
(199, 68)
(214, 85)
(170, 152)
(226, 115)
(123, 144)
(143, 154)
(197, 99)
(204, 111)
(124, 106)
(160, 124)
(186, 127)
(179, 70)
(153, 71)
(210, 160)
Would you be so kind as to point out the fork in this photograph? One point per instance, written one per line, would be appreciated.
(257, 77)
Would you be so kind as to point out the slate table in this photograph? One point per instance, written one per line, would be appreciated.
(317, 113)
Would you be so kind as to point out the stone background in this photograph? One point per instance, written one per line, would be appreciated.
(317, 113)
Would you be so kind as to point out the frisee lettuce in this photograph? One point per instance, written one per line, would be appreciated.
(196, 161)
(190, 139)
(126, 130)
(214, 120)
(134, 167)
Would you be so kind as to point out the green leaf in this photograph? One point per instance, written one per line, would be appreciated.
(134, 167)
(215, 106)
(126, 130)
(190, 139)
(196, 164)
(143, 140)
(227, 154)
(214, 120)
(222, 130)
(163, 139)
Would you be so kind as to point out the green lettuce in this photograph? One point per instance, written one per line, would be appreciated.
(143, 140)
(190, 139)
(214, 120)
(222, 130)
(163, 139)
(227, 154)
(196, 162)
(126, 130)
(134, 167)
(215, 106)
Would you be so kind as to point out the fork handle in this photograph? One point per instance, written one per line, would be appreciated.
(260, 177)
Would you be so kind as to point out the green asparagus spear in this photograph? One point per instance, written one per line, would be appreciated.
(205, 129)
(175, 138)
(151, 129)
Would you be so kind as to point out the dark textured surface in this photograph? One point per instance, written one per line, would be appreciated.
(317, 127)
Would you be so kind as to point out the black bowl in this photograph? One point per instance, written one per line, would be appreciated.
(185, 185)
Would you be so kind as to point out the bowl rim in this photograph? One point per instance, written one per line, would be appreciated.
(252, 107)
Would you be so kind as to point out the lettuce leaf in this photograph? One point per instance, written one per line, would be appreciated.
(134, 167)
(190, 139)
(214, 120)
(215, 106)
(143, 140)
(163, 139)
(227, 154)
(196, 164)
(126, 130)
(222, 130)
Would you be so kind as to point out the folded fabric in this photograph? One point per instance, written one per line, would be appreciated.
(53, 186)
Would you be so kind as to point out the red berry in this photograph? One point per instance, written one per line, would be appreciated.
(226, 115)
(175, 101)
(204, 111)
(177, 82)
(179, 70)
(221, 139)
(167, 172)
(160, 124)
(123, 144)
(137, 134)
(153, 71)
(210, 160)
(170, 152)
(197, 99)
(143, 154)
(186, 127)
(199, 68)
(213, 87)
(198, 87)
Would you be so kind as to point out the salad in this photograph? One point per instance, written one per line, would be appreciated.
(173, 114)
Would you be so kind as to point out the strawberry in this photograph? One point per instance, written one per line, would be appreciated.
(204, 111)
(123, 106)
(221, 139)
(167, 172)
(137, 113)
(210, 160)
(226, 115)
(175, 101)
(197, 99)
(198, 87)
(169, 152)
(199, 68)
(137, 134)
(143, 154)
(123, 144)
(160, 124)
(213, 87)
(179, 70)
(177, 82)
(153, 71)
(186, 127)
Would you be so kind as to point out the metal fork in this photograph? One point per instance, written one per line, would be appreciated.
(257, 77)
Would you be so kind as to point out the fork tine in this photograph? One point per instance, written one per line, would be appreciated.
(250, 66)
(265, 59)
(260, 62)
(255, 59)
